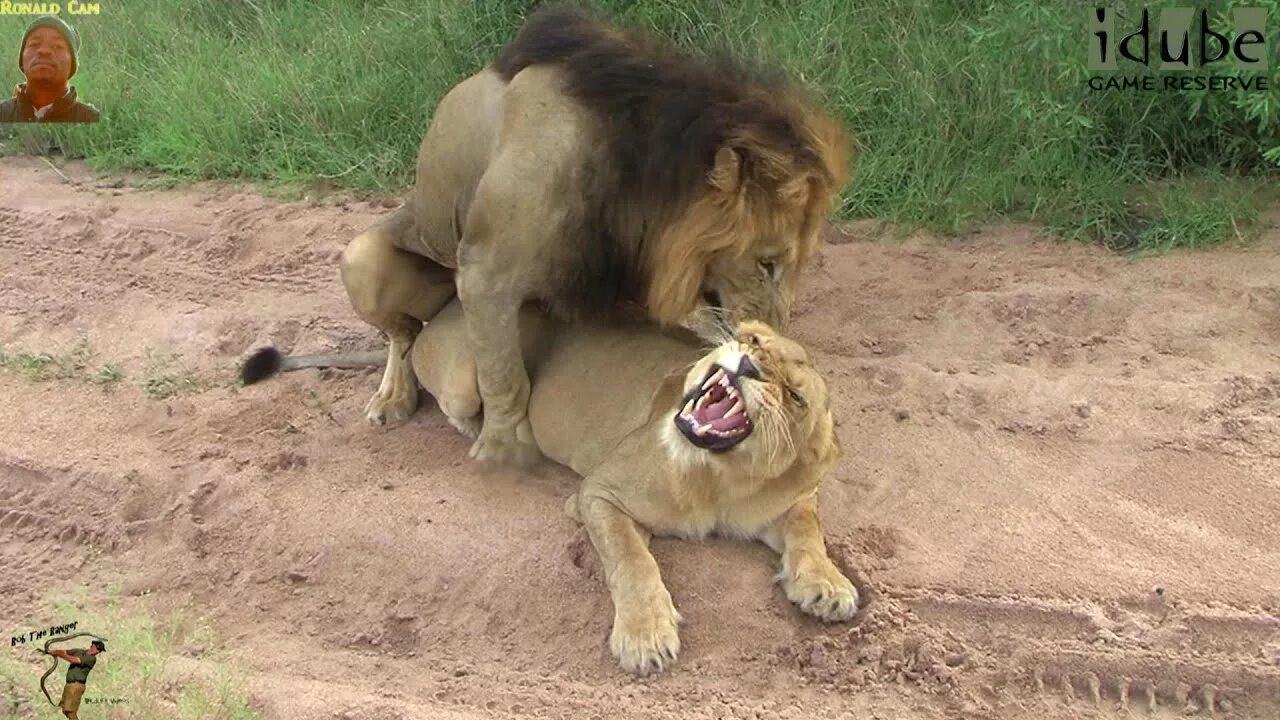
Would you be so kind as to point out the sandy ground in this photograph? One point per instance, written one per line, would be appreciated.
(1060, 492)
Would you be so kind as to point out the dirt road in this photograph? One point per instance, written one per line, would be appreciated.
(1060, 491)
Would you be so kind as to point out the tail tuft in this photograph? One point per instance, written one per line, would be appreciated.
(262, 364)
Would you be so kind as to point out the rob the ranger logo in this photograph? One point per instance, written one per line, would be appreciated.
(1242, 48)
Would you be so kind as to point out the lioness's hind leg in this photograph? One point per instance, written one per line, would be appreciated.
(808, 576)
(395, 291)
(459, 398)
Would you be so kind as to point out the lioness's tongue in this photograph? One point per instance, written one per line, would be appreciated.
(733, 423)
(714, 411)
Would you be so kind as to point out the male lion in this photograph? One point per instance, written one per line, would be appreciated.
(586, 168)
(670, 439)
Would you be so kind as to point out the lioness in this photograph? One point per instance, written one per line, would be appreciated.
(674, 441)
(585, 167)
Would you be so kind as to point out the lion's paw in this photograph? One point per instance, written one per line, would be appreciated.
(390, 408)
(508, 446)
(822, 591)
(645, 637)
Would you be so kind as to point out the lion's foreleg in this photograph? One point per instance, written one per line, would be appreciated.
(395, 291)
(492, 319)
(645, 636)
(808, 576)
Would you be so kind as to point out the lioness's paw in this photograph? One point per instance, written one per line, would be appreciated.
(508, 446)
(467, 426)
(822, 591)
(645, 637)
(391, 407)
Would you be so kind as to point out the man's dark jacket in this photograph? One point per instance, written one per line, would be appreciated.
(67, 109)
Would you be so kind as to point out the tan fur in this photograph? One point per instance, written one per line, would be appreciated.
(499, 213)
(603, 401)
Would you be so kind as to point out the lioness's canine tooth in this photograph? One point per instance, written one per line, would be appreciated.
(713, 379)
(702, 400)
(737, 408)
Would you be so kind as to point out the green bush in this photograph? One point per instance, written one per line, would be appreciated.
(963, 111)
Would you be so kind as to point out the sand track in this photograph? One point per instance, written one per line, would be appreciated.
(1060, 492)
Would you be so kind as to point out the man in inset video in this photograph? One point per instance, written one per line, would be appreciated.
(48, 59)
(82, 661)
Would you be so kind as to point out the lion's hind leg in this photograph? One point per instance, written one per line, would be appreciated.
(395, 291)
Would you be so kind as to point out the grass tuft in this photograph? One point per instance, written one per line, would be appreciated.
(167, 377)
(70, 365)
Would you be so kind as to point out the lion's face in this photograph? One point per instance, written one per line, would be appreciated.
(737, 253)
(755, 406)
(758, 281)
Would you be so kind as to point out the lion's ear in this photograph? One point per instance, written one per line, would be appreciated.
(726, 173)
(797, 191)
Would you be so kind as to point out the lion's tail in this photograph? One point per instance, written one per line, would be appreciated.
(268, 361)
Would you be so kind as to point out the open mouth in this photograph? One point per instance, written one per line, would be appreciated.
(714, 414)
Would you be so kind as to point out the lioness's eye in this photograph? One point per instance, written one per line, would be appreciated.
(795, 396)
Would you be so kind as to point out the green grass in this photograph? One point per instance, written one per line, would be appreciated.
(964, 112)
(72, 364)
(164, 375)
(107, 374)
(167, 377)
(167, 385)
(132, 671)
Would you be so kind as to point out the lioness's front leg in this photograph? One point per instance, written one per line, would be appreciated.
(645, 637)
(808, 576)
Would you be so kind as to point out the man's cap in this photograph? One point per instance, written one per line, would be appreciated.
(102, 647)
(57, 23)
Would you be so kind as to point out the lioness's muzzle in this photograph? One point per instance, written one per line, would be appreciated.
(714, 415)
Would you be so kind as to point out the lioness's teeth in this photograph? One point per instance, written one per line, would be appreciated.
(719, 376)
(737, 408)
(703, 400)
(688, 407)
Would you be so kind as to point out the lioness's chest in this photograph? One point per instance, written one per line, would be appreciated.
(672, 506)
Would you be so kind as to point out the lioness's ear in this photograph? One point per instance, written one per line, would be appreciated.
(726, 173)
